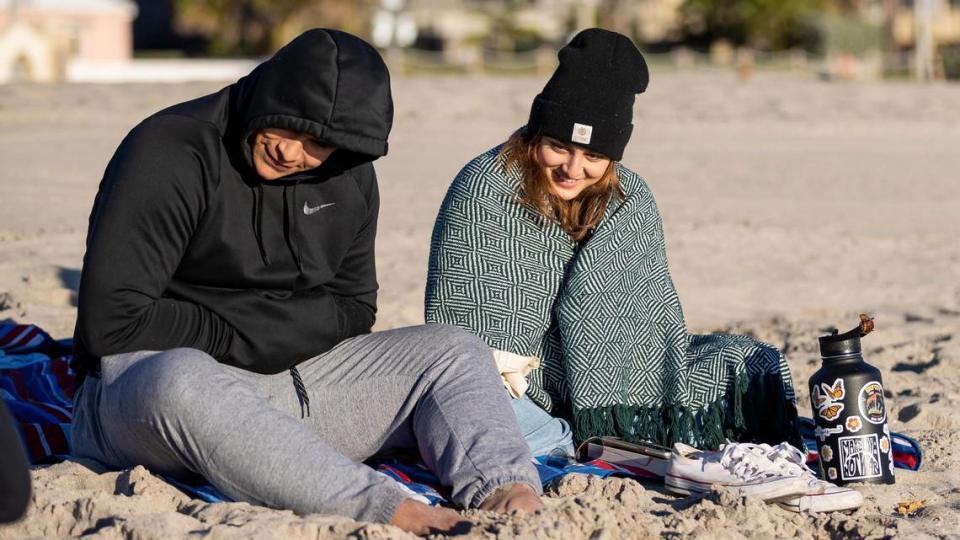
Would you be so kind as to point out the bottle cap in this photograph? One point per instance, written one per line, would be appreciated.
(840, 344)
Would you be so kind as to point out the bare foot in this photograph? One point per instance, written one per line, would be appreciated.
(510, 497)
(420, 519)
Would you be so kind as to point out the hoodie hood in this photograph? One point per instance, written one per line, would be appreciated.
(329, 84)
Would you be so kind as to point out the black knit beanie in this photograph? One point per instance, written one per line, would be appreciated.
(589, 99)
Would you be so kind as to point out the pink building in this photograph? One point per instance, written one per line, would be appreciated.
(39, 37)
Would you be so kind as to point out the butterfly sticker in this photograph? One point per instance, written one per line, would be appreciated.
(832, 412)
(834, 392)
(819, 400)
(827, 398)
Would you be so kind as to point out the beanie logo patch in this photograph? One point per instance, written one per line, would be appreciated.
(581, 133)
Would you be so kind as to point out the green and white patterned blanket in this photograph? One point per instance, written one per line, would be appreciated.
(604, 318)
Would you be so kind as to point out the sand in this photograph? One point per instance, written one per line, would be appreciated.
(790, 206)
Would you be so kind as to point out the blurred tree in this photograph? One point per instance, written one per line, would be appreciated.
(763, 24)
(615, 15)
(505, 32)
(841, 33)
(259, 27)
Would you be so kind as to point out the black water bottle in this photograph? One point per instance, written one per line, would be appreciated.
(850, 410)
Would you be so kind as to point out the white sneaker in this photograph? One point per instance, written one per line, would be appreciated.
(743, 468)
(833, 498)
(823, 496)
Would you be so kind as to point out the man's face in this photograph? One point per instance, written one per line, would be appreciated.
(280, 152)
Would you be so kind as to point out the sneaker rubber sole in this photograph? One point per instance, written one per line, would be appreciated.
(837, 499)
(783, 488)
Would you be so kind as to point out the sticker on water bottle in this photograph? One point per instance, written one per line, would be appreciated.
(822, 433)
(832, 412)
(871, 402)
(828, 399)
(824, 395)
(859, 457)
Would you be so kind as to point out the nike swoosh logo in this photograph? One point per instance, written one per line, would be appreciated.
(310, 210)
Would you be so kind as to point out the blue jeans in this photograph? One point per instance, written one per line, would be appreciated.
(544, 434)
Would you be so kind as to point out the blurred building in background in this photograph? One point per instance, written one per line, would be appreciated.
(517, 35)
(92, 40)
(521, 25)
(39, 38)
(658, 21)
(945, 26)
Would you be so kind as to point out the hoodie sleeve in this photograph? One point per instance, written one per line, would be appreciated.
(355, 286)
(148, 206)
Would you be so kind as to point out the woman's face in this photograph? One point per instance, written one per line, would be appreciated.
(570, 168)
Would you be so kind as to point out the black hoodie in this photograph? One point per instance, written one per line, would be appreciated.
(189, 247)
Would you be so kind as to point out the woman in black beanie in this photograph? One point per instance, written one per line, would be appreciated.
(553, 253)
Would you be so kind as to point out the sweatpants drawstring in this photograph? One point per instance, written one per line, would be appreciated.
(302, 395)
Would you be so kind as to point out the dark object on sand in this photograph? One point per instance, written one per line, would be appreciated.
(14, 470)
(850, 409)
(642, 459)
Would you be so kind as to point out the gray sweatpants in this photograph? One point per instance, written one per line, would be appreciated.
(432, 389)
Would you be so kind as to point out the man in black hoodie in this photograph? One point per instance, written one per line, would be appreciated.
(227, 295)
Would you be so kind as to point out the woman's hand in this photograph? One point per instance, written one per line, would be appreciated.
(514, 369)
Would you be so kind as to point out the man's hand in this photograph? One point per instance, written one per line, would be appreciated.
(512, 497)
(420, 519)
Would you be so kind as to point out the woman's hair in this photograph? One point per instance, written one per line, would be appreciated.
(577, 216)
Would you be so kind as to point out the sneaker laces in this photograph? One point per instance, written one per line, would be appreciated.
(790, 460)
(750, 461)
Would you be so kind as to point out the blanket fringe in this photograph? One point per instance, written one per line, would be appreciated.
(757, 409)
